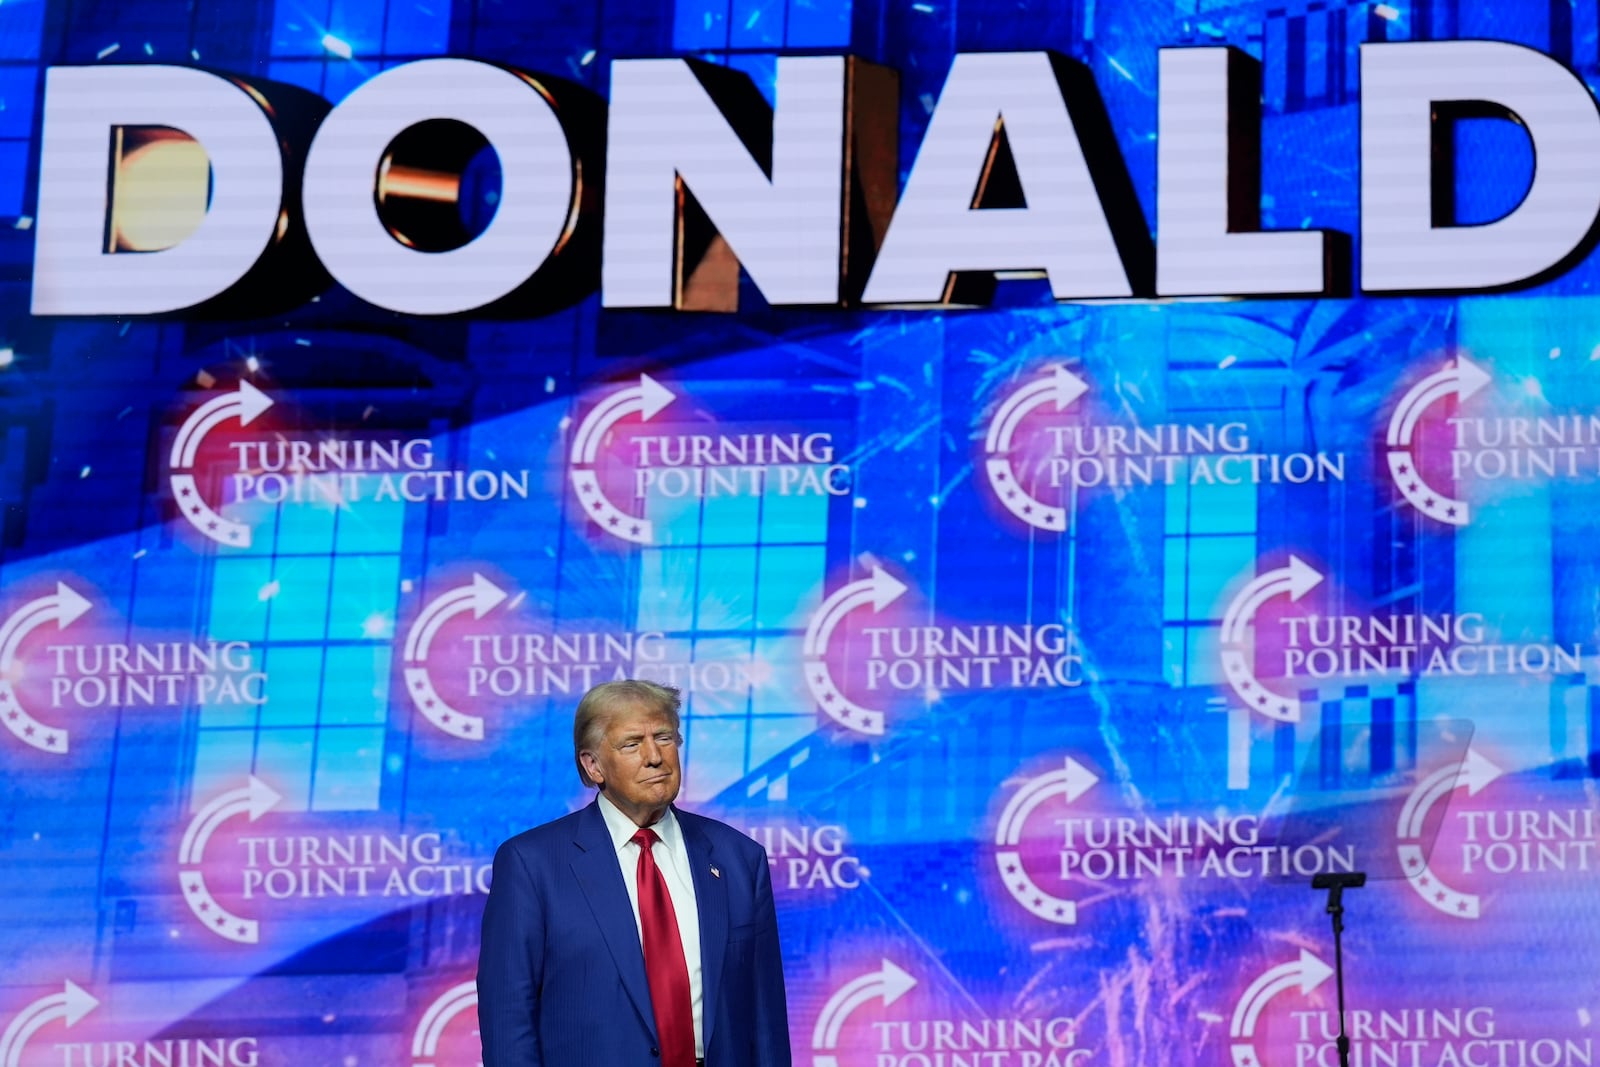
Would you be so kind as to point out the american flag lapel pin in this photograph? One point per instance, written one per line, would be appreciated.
(714, 872)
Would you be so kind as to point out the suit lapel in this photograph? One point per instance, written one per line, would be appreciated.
(711, 901)
(600, 877)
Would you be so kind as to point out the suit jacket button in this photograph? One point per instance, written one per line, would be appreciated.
(654, 1051)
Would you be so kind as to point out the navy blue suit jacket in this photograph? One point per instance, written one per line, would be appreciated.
(561, 979)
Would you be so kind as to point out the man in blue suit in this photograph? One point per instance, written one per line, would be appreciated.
(631, 934)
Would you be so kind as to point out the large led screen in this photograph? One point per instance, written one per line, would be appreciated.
(1091, 467)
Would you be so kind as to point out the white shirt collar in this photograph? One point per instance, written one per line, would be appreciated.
(621, 828)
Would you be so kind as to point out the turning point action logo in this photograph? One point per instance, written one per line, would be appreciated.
(316, 865)
(1069, 783)
(245, 405)
(479, 597)
(1060, 388)
(1306, 973)
(1238, 652)
(1034, 462)
(63, 608)
(254, 799)
(1472, 771)
(68, 1006)
(1044, 837)
(1309, 648)
(330, 472)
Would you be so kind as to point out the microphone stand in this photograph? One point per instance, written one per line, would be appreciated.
(1336, 883)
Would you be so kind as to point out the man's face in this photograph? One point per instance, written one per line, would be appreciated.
(636, 762)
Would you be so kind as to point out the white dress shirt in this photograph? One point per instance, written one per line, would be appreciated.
(672, 857)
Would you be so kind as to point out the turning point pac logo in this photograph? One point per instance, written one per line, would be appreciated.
(1461, 379)
(877, 591)
(855, 1027)
(436, 1021)
(924, 662)
(887, 984)
(610, 462)
(645, 400)
(1437, 461)
(63, 608)
(68, 1006)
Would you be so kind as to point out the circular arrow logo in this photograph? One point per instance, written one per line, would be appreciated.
(1238, 651)
(452, 1002)
(245, 405)
(1307, 973)
(63, 607)
(255, 799)
(479, 597)
(69, 1005)
(889, 983)
(1461, 379)
(1472, 771)
(645, 400)
(879, 591)
(1060, 387)
(1070, 782)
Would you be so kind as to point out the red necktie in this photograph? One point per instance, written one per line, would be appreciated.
(664, 965)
